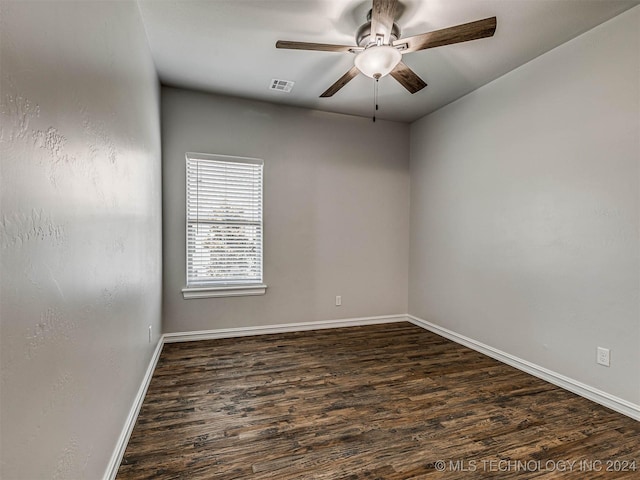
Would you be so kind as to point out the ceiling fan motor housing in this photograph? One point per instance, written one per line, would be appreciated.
(363, 35)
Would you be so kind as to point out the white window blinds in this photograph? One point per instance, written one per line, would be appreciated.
(224, 220)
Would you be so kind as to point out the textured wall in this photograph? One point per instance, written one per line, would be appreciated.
(524, 210)
(80, 231)
(336, 213)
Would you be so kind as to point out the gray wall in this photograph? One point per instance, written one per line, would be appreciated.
(524, 210)
(336, 213)
(80, 232)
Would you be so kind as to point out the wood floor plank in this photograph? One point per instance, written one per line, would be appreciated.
(377, 402)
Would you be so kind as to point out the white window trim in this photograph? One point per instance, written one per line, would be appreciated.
(223, 291)
(230, 290)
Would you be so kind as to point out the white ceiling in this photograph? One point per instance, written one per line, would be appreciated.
(228, 47)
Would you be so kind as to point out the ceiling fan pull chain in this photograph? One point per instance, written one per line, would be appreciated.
(374, 101)
(375, 96)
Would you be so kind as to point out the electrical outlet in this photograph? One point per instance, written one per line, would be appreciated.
(149, 333)
(338, 300)
(603, 356)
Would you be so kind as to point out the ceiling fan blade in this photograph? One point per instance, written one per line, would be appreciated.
(382, 17)
(447, 36)
(408, 78)
(322, 47)
(346, 78)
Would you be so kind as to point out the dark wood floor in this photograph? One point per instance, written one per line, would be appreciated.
(378, 402)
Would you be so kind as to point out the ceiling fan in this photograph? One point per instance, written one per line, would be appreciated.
(379, 47)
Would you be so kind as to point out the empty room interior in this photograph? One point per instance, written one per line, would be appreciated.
(319, 239)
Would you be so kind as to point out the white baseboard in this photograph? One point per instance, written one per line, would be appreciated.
(123, 440)
(598, 396)
(283, 328)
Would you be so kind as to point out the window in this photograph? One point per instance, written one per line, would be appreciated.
(224, 226)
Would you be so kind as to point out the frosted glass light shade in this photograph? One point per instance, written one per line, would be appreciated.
(378, 60)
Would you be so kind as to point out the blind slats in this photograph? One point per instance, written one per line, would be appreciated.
(207, 187)
(224, 221)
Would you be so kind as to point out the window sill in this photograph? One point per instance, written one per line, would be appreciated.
(223, 291)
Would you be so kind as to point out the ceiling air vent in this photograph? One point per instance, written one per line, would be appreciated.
(281, 85)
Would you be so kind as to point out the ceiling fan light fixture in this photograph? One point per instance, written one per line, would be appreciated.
(378, 60)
